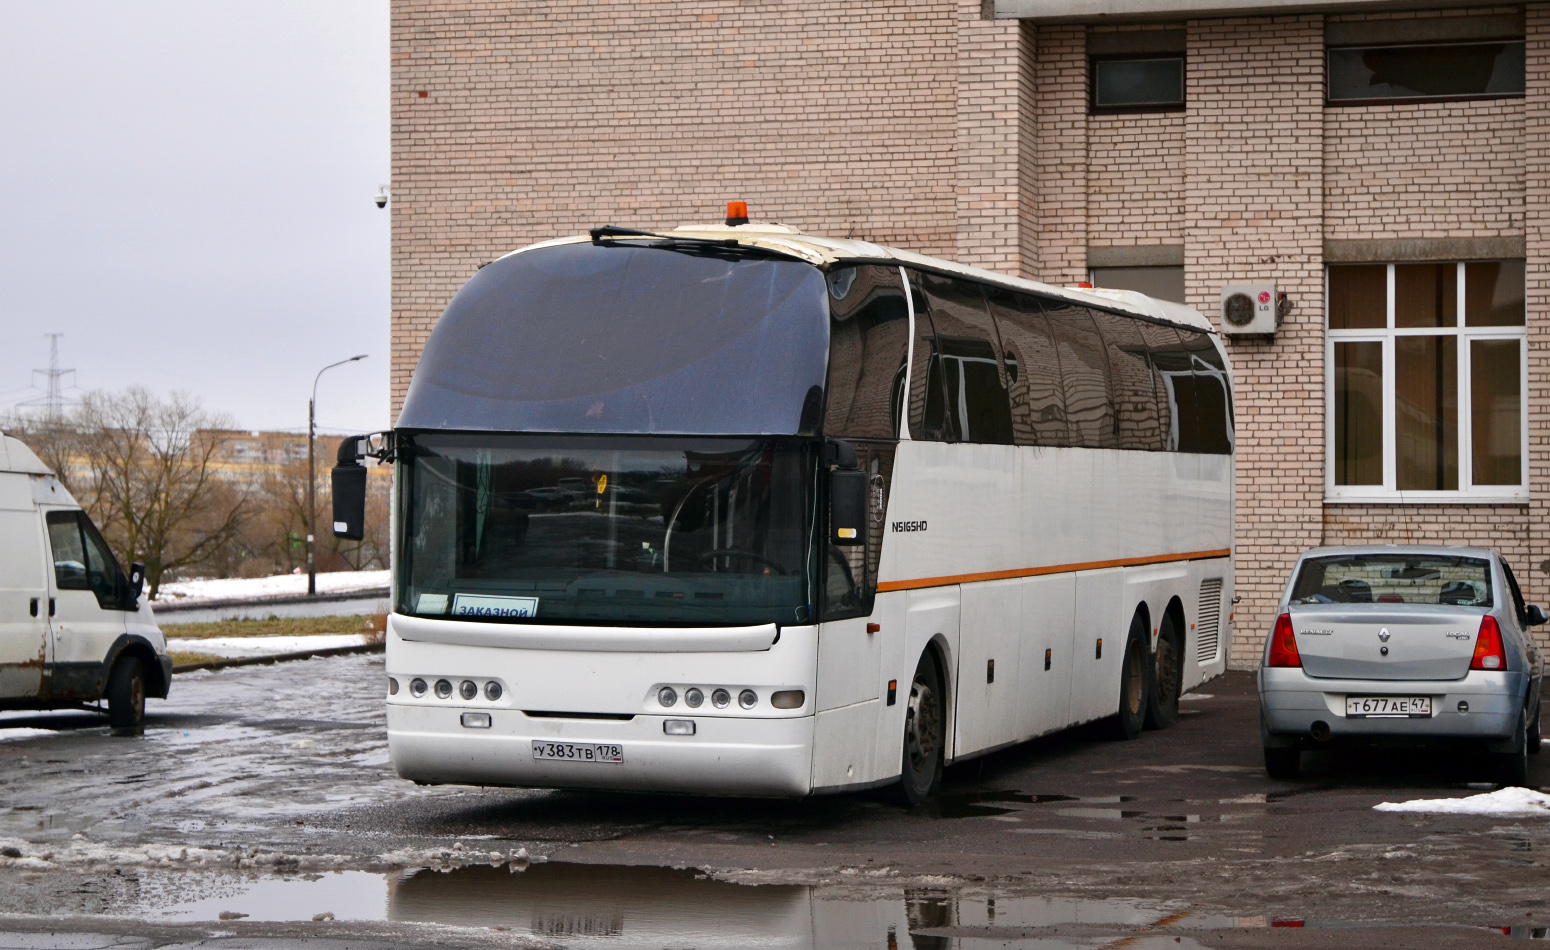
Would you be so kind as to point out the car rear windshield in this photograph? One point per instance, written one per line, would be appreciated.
(1394, 579)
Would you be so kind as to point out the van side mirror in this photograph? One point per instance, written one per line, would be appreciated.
(1536, 615)
(349, 490)
(847, 494)
(136, 582)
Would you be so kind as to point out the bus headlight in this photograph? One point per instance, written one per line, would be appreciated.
(693, 697)
(467, 689)
(667, 696)
(392, 686)
(416, 687)
(720, 698)
(443, 689)
(748, 699)
(492, 691)
(788, 699)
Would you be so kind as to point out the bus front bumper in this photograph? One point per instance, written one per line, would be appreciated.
(769, 757)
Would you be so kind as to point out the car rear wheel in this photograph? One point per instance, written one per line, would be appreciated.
(1534, 735)
(1162, 706)
(1283, 763)
(1511, 768)
(925, 723)
(126, 694)
(1133, 683)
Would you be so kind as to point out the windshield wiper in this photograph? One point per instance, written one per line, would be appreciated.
(682, 243)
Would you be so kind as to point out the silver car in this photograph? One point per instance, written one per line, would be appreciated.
(1389, 642)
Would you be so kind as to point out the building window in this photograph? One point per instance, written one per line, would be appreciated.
(1372, 74)
(1137, 83)
(1427, 381)
(1164, 283)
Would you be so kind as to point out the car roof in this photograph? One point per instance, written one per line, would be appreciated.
(823, 251)
(1440, 550)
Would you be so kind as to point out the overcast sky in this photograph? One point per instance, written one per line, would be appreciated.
(186, 193)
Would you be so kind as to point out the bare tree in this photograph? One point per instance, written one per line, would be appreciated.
(152, 486)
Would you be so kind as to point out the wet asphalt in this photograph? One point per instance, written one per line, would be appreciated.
(266, 791)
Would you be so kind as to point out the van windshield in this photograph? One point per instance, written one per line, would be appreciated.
(1394, 579)
(605, 529)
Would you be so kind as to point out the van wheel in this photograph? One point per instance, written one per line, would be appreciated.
(126, 694)
(1162, 706)
(1133, 684)
(924, 734)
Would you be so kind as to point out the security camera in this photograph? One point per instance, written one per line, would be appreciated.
(382, 196)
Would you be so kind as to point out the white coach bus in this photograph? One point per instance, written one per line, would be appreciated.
(735, 510)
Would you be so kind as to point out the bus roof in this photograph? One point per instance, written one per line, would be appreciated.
(822, 251)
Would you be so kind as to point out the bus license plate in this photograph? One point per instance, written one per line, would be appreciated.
(1398, 707)
(578, 751)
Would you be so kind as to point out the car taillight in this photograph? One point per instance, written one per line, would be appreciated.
(1283, 644)
(1489, 654)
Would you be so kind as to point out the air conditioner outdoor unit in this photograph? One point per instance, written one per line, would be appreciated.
(1249, 309)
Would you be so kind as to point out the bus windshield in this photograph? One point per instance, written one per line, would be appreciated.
(643, 531)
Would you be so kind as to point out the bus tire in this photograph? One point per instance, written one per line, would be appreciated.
(1133, 683)
(126, 694)
(1162, 706)
(925, 734)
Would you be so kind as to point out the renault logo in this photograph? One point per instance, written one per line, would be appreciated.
(1383, 635)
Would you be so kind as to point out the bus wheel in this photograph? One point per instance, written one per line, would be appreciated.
(924, 734)
(126, 695)
(1132, 684)
(1162, 706)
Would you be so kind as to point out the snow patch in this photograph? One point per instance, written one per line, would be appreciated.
(263, 646)
(1502, 802)
(7, 735)
(279, 585)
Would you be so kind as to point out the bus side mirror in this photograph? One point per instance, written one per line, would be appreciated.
(349, 489)
(847, 506)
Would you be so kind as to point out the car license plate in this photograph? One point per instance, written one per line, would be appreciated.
(578, 751)
(1394, 707)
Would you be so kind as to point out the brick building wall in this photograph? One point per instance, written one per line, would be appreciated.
(927, 126)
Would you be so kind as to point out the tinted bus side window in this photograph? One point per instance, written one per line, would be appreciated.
(1032, 369)
(928, 404)
(1174, 383)
(869, 331)
(974, 398)
(1130, 382)
(1212, 396)
(1084, 369)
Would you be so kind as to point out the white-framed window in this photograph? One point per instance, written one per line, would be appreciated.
(1426, 382)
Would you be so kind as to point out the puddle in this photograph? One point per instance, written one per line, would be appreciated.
(986, 804)
(608, 906)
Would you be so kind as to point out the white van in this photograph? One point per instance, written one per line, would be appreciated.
(78, 633)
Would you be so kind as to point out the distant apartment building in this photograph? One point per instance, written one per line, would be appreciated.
(1386, 166)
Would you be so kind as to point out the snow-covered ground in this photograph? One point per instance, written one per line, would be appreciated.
(263, 646)
(1503, 802)
(22, 732)
(252, 588)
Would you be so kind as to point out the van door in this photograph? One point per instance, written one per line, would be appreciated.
(23, 602)
(88, 618)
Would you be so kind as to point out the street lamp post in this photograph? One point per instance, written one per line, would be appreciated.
(312, 506)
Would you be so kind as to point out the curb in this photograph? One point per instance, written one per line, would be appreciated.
(277, 658)
(364, 593)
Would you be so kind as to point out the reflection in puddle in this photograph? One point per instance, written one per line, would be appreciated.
(622, 908)
(605, 906)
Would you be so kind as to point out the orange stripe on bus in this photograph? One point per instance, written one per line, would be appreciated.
(1055, 569)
